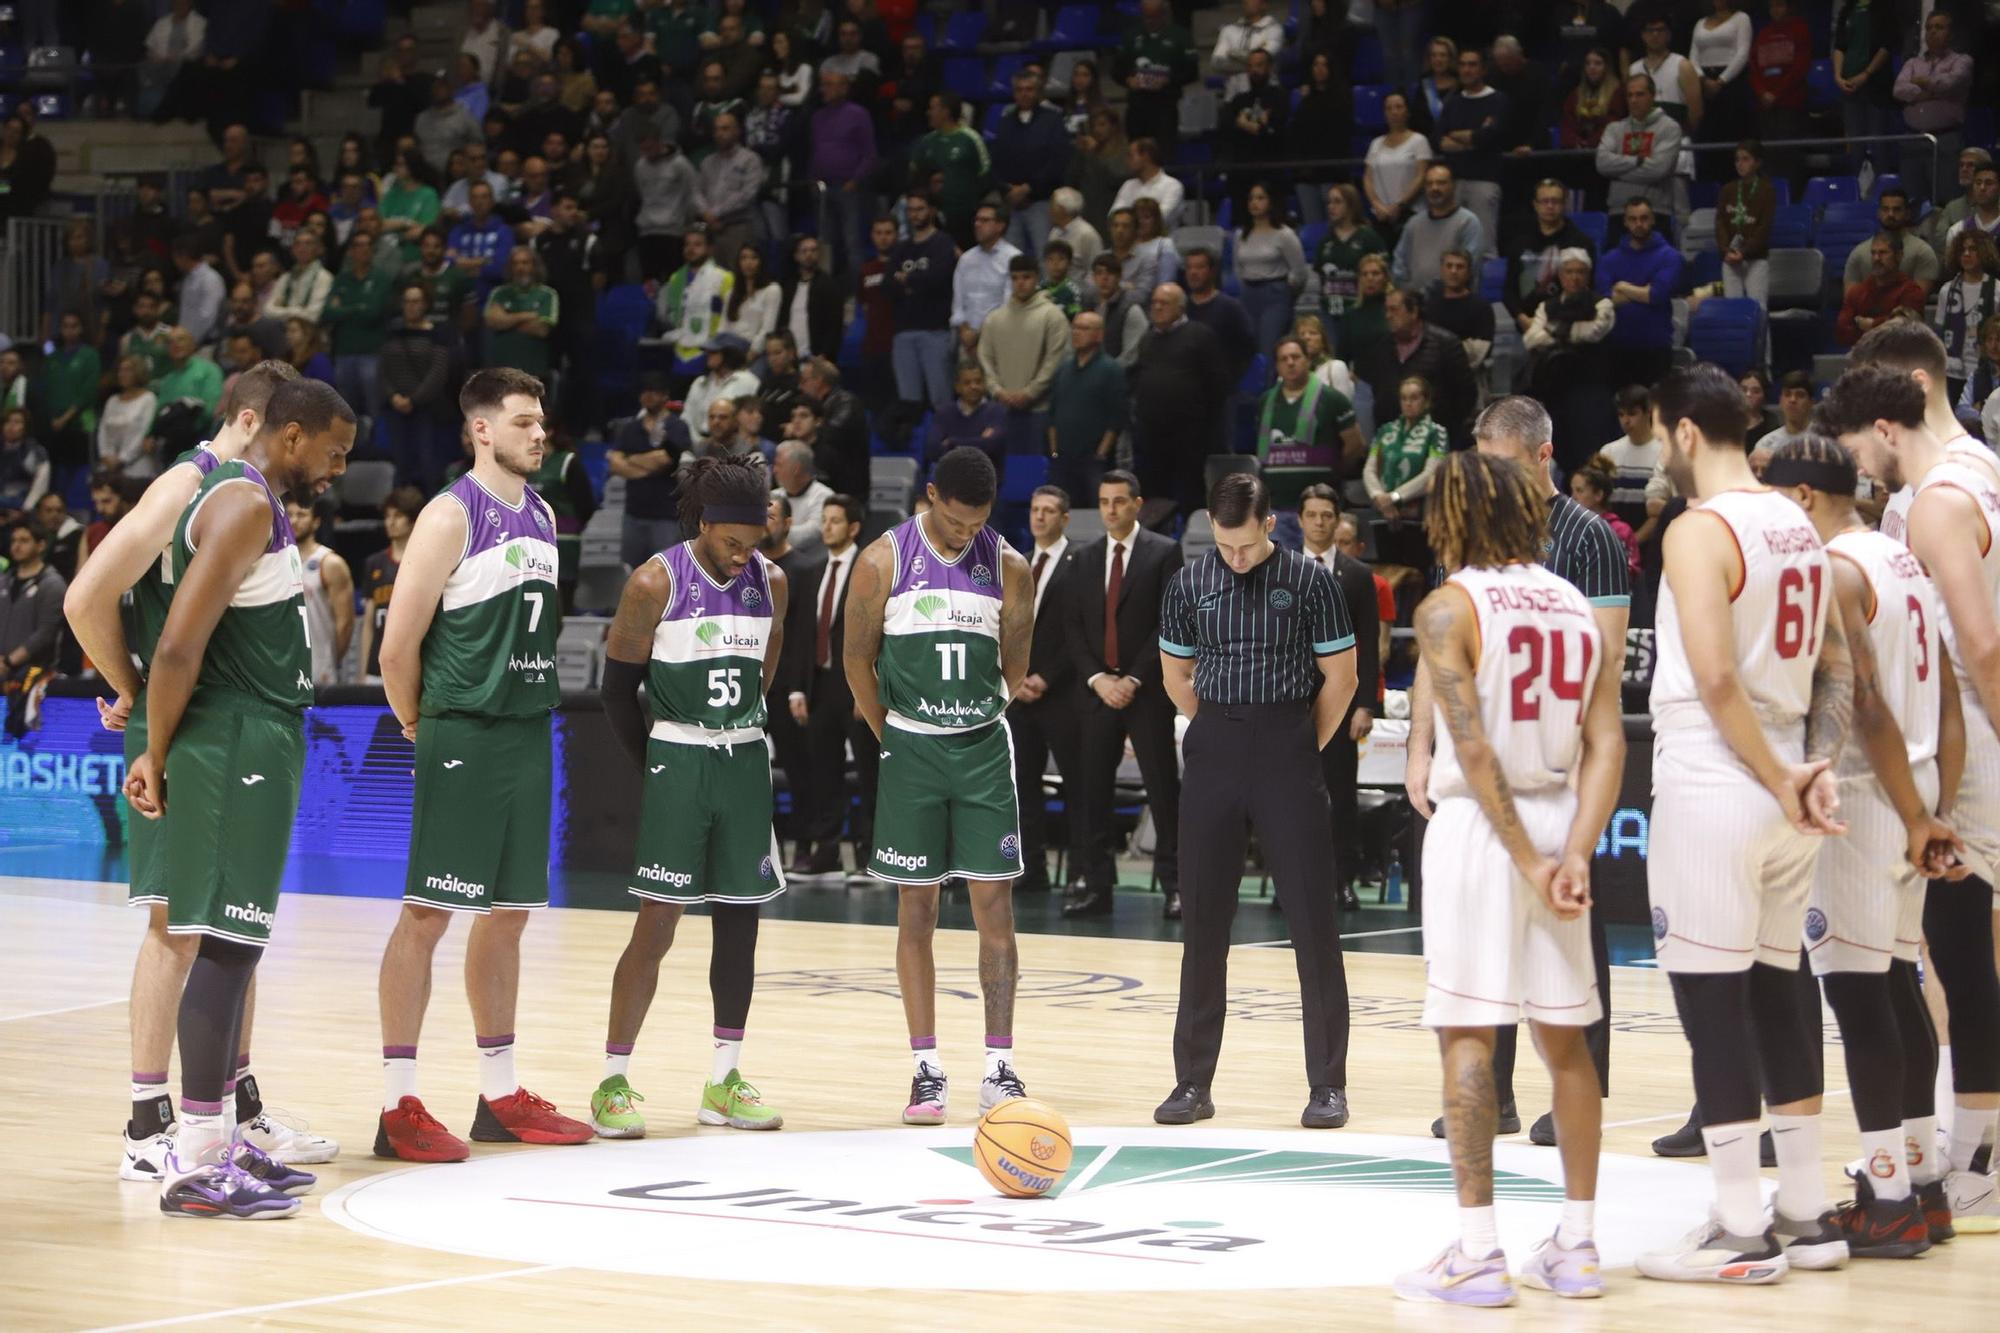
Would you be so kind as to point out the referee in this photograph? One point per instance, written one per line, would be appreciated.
(1583, 551)
(1257, 649)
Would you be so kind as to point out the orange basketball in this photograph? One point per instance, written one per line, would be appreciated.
(1022, 1147)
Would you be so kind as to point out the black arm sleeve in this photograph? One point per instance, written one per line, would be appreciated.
(620, 696)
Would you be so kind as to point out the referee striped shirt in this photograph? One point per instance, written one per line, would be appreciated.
(1582, 551)
(1255, 638)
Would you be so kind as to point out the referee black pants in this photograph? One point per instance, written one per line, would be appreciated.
(1340, 764)
(1256, 766)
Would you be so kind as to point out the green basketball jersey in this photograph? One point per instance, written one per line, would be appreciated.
(708, 649)
(940, 662)
(491, 648)
(145, 611)
(259, 646)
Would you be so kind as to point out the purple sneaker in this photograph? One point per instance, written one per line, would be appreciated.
(272, 1173)
(1454, 1278)
(220, 1190)
(1567, 1272)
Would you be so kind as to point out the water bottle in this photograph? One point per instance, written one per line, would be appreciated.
(1394, 893)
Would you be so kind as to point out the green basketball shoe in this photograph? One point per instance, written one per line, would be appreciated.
(736, 1104)
(611, 1112)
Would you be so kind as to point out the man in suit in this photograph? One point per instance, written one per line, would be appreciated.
(823, 702)
(785, 700)
(1319, 520)
(1114, 618)
(1042, 715)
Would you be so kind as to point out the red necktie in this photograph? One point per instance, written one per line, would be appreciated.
(1111, 605)
(823, 641)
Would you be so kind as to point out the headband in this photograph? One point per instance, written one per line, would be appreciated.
(751, 515)
(1820, 475)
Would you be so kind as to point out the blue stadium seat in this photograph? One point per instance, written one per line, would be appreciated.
(1821, 91)
(1888, 180)
(1257, 377)
(1493, 280)
(1001, 85)
(1824, 190)
(1074, 26)
(1368, 64)
(1368, 106)
(1594, 225)
(1024, 473)
(1842, 226)
(1729, 332)
(1704, 194)
(963, 31)
(1311, 237)
(1704, 267)
(966, 76)
(989, 124)
(1782, 187)
(1791, 227)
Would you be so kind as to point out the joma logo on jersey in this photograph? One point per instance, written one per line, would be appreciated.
(453, 884)
(889, 856)
(249, 912)
(673, 879)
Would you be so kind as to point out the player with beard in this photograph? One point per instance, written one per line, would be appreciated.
(468, 663)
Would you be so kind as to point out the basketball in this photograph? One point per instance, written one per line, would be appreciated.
(1022, 1147)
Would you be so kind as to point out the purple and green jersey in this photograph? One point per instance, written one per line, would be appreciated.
(707, 672)
(939, 666)
(259, 647)
(491, 649)
(153, 594)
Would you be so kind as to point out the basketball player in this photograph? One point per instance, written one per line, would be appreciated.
(1954, 528)
(133, 559)
(702, 625)
(940, 617)
(468, 663)
(1866, 918)
(225, 743)
(1581, 549)
(1750, 704)
(329, 591)
(1516, 724)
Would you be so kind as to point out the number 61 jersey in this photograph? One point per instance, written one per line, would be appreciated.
(707, 672)
(1777, 615)
(1539, 655)
(491, 650)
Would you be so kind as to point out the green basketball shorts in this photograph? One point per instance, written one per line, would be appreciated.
(479, 825)
(232, 792)
(944, 806)
(705, 825)
(142, 835)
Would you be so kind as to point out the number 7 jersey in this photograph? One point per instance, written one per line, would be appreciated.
(491, 649)
(1777, 616)
(1539, 655)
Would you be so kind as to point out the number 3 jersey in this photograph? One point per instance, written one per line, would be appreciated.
(1777, 616)
(491, 649)
(259, 646)
(1539, 655)
(707, 673)
(940, 661)
(1906, 630)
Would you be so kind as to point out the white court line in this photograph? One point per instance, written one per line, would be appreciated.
(66, 1009)
(334, 1299)
(1358, 935)
(1681, 1115)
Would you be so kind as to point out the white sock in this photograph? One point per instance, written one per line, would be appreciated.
(1920, 1149)
(201, 1136)
(1942, 1094)
(1579, 1222)
(399, 1075)
(924, 1051)
(1478, 1236)
(1732, 1160)
(727, 1056)
(996, 1054)
(1885, 1163)
(1968, 1131)
(496, 1068)
(617, 1060)
(1801, 1185)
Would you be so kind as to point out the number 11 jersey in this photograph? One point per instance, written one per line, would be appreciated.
(491, 649)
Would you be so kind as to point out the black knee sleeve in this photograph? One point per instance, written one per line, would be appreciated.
(1919, 1039)
(732, 962)
(211, 1011)
(1784, 1010)
(1506, 1045)
(1715, 1014)
(1874, 1047)
(1958, 926)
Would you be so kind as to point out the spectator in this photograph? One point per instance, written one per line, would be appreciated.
(1965, 303)
(843, 162)
(1937, 223)
(1087, 408)
(1719, 49)
(1590, 486)
(794, 73)
(666, 186)
(1150, 181)
(1534, 269)
(24, 464)
(1030, 157)
(1895, 216)
(31, 615)
(1405, 454)
(1180, 386)
(1636, 453)
(1864, 37)
(1978, 405)
(1983, 213)
(1255, 31)
(1676, 82)
(1323, 115)
(1365, 324)
(536, 35)
(979, 281)
(413, 379)
(1394, 173)
(400, 94)
(1155, 61)
(408, 205)
(727, 185)
(1525, 127)
(1122, 313)
(627, 64)
(188, 377)
(1020, 345)
(1583, 26)
(1886, 293)
(958, 154)
(1254, 117)
(263, 281)
(1933, 87)
(147, 338)
(1795, 406)
(1157, 260)
(243, 319)
(1099, 165)
(876, 311)
(1224, 315)
(1306, 433)
(1566, 356)
(543, 115)
(304, 290)
(809, 304)
(15, 386)
(442, 128)
(1639, 155)
(77, 281)
(692, 305)
(176, 38)
(750, 428)
(1640, 274)
(1331, 371)
(1743, 217)
(751, 312)
(1443, 225)
(305, 351)
(457, 200)
(1595, 100)
(716, 100)
(302, 197)
(1058, 282)
(1780, 61)
(479, 245)
(521, 317)
(921, 279)
(862, 68)
(604, 186)
(1348, 239)
(646, 452)
(1471, 130)
(1413, 346)
(69, 392)
(792, 471)
(449, 285)
(972, 418)
(485, 37)
(1436, 87)
(840, 450)
(125, 445)
(723, 380)
(65, 534)
(1454, 306)
(1067, 224)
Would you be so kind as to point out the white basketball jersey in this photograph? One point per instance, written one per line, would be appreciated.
(1539, 655)
(1907, 634)
(319, 619)
(1960, 448)
(1777, 615)
(1976, 483)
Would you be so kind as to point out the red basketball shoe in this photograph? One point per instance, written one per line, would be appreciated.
(522, 1117)
(414, 1135)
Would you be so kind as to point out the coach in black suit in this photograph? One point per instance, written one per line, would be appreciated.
(825, 701)
(1114, 641)
(1319, 518)
(788, 733)
(1042, 715)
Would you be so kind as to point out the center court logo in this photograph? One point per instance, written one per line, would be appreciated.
(453, 884)
(1142, 1209)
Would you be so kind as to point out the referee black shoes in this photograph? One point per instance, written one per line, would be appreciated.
(1188, 1103)
(1325, 1109)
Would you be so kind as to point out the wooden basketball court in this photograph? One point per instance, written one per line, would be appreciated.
(826, 1045)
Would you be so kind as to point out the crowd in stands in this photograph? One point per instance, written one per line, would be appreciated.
(1063, 234)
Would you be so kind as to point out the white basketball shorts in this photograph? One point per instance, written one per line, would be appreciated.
(1867, 902)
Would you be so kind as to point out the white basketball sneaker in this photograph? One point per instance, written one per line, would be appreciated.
(1975, 1202)
(1002, 1085)
(146, 1157)
(294, 1145)
(1710, 1254)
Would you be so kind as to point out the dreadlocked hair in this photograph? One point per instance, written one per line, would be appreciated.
(722, 479)
(1485, 512)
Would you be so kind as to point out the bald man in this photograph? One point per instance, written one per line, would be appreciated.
(1087, 409)
(1180, 385)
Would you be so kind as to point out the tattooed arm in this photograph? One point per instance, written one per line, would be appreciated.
(1017, 619)
(867, 600)
(1828, 717)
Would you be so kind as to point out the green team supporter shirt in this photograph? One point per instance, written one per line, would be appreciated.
(491, 649)
(961, 155)
(259, 647)
(1339, 266)
(1299, 439)
(1402, 449)
(516, 347)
